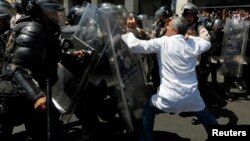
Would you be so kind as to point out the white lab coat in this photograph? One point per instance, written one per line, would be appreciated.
(177, 57)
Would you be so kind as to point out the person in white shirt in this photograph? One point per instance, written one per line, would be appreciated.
(178, 91)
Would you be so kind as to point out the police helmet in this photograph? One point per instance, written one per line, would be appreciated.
(30, 6)
(111, 14)
(105, 5)
(124, 11)
(111, 10)
(50, 8)
(189, 8)
(164, 12)
(141, 18)
(72, 14)
(218, 24)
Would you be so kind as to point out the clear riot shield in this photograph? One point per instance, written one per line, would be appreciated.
(127, 76)
(85, 37)
(99, 31)
(234, 46)
(147, 23)
(147, 60)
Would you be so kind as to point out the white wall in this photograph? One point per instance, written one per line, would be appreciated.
(132, 5)
(179, 4)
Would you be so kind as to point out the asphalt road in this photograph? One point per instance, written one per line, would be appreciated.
(178, 128)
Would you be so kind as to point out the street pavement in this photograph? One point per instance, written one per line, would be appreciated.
(178, 128)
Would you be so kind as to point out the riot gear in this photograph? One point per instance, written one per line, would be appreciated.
(52, 9)
(110, 69)
(190, 12)
(123, 10)
(32, 45)
(140, 18)
(234, 55)
(215, 50)
(113, 10)
(162, 15)
(72, 14)
(104, 4)
(218, 24)
(189, 8)
(164, 12)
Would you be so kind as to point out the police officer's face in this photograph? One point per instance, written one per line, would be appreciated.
(190, 18)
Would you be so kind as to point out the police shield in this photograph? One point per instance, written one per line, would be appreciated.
(99, 31)
(234, 46)
(84, 37)
(127, 75)
(146, 22)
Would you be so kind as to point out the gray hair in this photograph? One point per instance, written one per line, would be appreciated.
(180, 24)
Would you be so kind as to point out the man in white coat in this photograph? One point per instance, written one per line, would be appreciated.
(178, 91)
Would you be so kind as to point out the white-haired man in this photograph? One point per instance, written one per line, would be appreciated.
(178, 91)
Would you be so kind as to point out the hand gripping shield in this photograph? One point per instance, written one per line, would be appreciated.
(85, 37)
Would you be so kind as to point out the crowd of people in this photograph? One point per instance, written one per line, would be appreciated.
(177, 56)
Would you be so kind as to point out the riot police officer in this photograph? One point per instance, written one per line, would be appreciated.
(216, 48)
(162, 16)
(190, 12)
(31, 57)
(72, 14)
(97, 107)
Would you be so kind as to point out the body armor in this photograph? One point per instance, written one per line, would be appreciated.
(34, 48)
